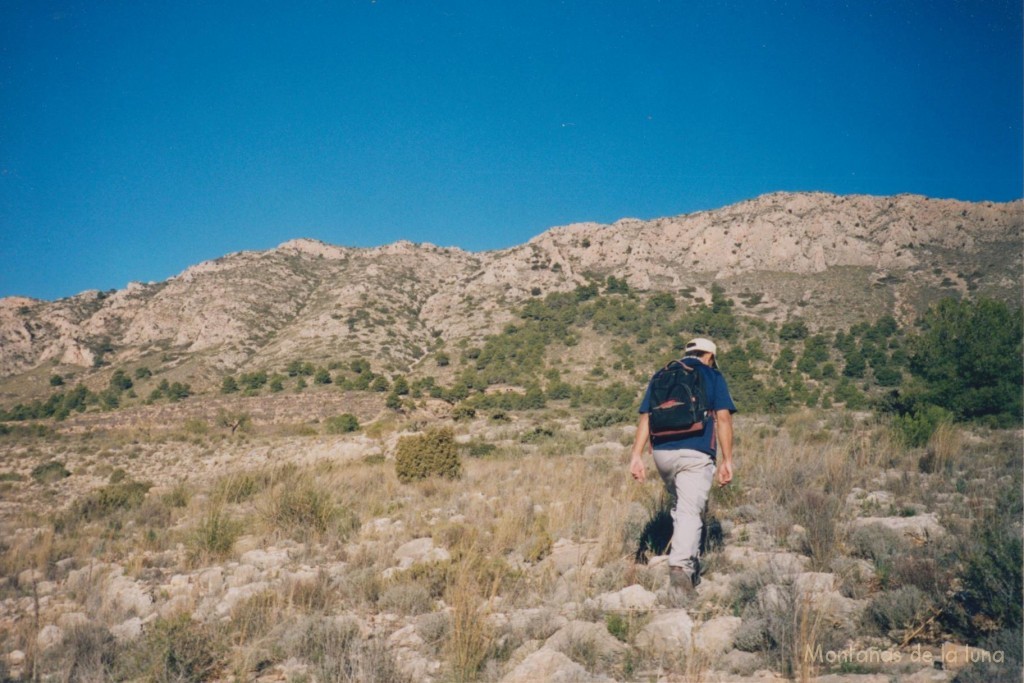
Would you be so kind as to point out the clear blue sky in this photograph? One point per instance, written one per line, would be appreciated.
(138, 138)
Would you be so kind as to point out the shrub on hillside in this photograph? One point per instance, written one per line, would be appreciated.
(968, 355)
(341, 424)
(49, 472)
(989, 600)
(606, 419)
(914, 429)
(433, 453)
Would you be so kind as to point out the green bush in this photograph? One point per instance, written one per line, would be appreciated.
(969, 356)
(989, 599)
(606, 419)
(898, 610)
(174, 649)
(914, 429)
(124, 495)
(433, 453)
(463, 412)
(341, 424)
(480, 449)
(215, 535)
(49, 472)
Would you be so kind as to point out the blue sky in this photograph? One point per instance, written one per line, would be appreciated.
(138, 138)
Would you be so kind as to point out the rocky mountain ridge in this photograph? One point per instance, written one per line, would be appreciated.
(832, 259)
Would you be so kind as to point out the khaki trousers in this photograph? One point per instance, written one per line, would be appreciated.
(687, 475)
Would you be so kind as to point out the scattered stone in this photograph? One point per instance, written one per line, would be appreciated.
(271, 558)
(237, 594)
(956, 656)
(550, 666)
(125, 596)
(929, 675)
(717, 635)
(771, 563)
(30, 577)
(918, 527)
(420, 551)
(537, 622)
(246, 543)
(242, 575)
(405, 645)
(633, 597)
(595, 635)
(49, 636)
(820, 590)
(66, 565)
(739, 662)
(669, 632)
(566, 555)
(127, 630)
(382, 526)
(16, 658)
(176, 605)
(211, 580)
(70, 620)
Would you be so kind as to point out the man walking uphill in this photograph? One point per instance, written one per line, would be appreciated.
(686, 415)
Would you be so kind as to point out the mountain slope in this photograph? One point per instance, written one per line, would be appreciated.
(834, 260)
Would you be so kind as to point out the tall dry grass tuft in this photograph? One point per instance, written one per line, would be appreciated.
(471, 587)
(214, 536)
(804, 483)
(944, 450)
(821, 516)
(807, 635)
(304, 507)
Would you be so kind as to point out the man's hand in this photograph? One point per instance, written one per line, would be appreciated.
(724, 474)
(637, 469)
(641, 442)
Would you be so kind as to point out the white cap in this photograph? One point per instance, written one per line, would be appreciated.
(702, 344)
(705, 346)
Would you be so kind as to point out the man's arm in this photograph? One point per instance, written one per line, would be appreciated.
(643, 435)
(723, 420)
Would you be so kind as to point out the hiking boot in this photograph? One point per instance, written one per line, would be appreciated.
(681, 587)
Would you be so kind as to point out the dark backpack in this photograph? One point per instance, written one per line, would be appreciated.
(679, 402)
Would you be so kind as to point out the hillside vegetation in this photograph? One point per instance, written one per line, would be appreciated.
(241, 501)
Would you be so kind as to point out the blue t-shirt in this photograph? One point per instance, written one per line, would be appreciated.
(718, 399)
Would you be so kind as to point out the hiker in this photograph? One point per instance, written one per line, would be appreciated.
(685, 453)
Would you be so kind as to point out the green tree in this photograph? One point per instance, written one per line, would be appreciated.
(795, 329)
(616, 286)
(119, 381)
(968, 355)
(322, 376)
(719, 302)
(228, 385)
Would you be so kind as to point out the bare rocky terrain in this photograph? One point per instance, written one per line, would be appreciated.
(832, 260)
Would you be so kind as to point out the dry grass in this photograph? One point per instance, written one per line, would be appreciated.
(499, 523)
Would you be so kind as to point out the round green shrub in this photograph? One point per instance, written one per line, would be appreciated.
(433, 453)
(341, 424)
